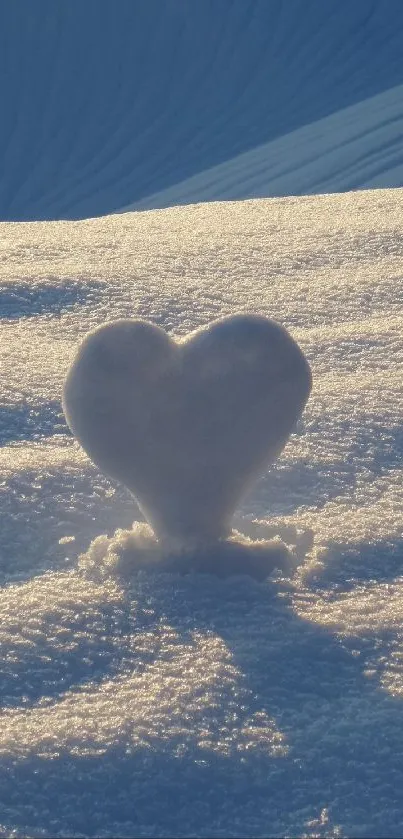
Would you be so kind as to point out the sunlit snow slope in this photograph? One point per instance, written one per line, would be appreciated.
(149, 704)
(106, 104)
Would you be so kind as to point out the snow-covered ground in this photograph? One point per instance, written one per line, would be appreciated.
(142, 703)
(152, 704)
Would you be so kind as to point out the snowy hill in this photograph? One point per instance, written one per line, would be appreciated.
(142, 703)
(151, 704)
(359, 146)
(104, 105)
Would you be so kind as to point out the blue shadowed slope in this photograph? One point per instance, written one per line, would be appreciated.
(104, 104)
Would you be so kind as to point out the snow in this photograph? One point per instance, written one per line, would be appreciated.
(103, 109)
(186, 426)
(153, 703)
(252, 689)
(358, 146)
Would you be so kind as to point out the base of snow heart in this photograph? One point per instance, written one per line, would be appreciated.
(130, 551)
(187, 425)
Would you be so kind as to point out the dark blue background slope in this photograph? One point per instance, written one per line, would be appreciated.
(103, 103)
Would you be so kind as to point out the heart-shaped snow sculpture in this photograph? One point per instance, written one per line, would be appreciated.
(186, 425)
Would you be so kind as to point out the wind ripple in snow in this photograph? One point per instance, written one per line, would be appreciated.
(159, 93)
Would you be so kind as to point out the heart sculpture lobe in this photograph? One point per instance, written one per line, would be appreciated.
(186, 425)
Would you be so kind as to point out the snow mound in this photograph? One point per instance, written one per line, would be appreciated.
(130, 551)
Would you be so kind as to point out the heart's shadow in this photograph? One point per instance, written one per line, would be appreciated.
(336, 722)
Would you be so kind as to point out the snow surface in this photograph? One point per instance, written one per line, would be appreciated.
(155, 704)
(357, 147)
(105, 106)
